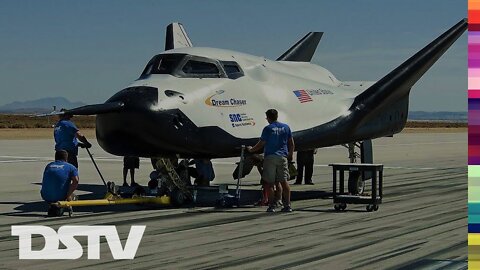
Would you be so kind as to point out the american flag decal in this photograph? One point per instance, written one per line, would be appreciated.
(302, 96)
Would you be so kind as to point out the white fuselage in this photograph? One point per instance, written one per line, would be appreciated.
(305, 95)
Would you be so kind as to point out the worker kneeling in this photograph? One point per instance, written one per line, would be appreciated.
(60, 179)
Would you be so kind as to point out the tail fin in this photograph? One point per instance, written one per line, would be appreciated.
(399, 81)
(304, 49)
(176, 37)
(382, 109)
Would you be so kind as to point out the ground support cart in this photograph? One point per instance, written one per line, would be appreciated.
(341, 198)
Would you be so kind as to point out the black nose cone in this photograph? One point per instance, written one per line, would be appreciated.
(122, 133)
(137, 98)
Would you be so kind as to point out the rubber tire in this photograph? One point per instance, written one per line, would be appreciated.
(337, 207)
(354, 186)
(375, 207)
(343, 206)
(369, 208)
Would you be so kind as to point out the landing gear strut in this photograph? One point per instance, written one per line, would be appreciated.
(358, 151)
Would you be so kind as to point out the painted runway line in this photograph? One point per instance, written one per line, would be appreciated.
(20, 159)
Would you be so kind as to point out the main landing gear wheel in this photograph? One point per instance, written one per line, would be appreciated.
(371, 207)
(356, 185)
(340, 206)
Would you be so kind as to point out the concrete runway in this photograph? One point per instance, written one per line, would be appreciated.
(421, 224)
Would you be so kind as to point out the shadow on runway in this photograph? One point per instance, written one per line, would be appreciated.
(205, 198)
(328, 210)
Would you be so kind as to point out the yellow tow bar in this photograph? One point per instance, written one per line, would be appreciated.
(163, 200)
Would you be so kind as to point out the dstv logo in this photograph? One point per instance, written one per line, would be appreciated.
(74, 250)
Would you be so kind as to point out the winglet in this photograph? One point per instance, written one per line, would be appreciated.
(176, 37)
(304, 49)
(398, 82)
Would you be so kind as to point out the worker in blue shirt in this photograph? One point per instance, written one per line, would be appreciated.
(66, 136)
(204, 172)
(278, 145)
(60, 179)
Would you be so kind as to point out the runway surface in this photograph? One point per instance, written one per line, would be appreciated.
(421, 224)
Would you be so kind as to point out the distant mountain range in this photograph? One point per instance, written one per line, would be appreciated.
(43, 105)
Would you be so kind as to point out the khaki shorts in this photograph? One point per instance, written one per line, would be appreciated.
(275, 169)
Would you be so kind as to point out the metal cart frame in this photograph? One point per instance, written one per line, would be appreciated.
(341, 198)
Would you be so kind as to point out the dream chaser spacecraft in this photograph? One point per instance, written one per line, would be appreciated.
(197, 102)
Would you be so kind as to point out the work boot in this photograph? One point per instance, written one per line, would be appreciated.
(287, 209)
(55, 211)
(271, 209)
(125, 184)
(309, 183)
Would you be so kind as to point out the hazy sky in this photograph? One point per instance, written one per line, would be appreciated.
(88, 50)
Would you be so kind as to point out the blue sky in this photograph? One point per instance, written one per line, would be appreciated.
(88, 50)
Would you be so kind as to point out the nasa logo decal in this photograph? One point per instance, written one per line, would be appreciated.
(219, 102)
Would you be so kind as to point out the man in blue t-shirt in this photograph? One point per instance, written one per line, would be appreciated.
(66, 135)
(278, 145)
(204, 171)
(60, 179)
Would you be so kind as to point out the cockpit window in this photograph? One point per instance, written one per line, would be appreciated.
(191, 66)
(162, 64)
(232, 69)
(198, 67)
(166, 65)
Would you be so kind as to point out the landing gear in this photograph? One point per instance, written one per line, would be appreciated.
(356, 182)
(166, 181)
(356, 185)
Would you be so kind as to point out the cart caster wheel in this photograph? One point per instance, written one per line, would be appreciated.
(370, 208)
(375, 208)
(340, 206)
